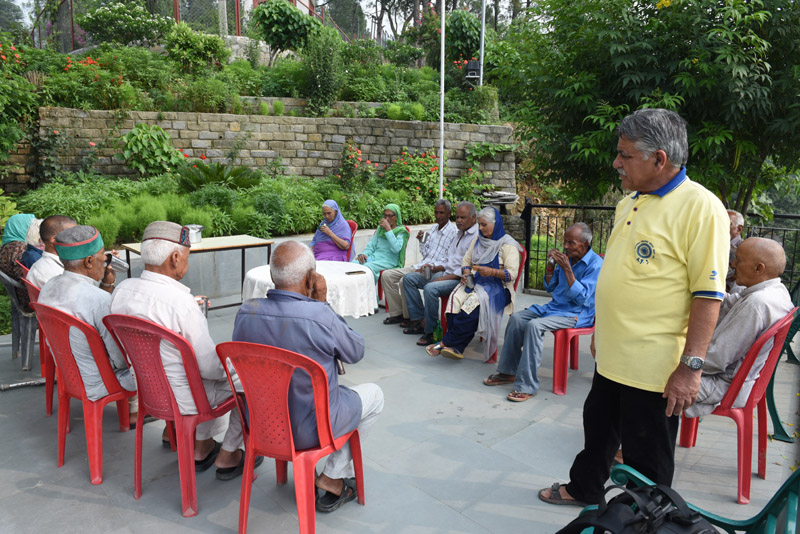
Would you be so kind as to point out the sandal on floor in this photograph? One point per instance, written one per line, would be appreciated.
(434, 349)
(330, 502)
(519, 396)
(394, 319)
(556, 498)
(406, 323)
(498, 379)
(229, 473)
(202, 465)
(453, 354)
(426, 340)
(415, 329)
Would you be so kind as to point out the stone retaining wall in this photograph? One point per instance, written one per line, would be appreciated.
(308, 146)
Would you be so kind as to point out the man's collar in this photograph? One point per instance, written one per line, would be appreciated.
(668, 187)
(761, 285)
(81, 277)
(283, 294)
(586, 257)
(164, 279)
(471, 230)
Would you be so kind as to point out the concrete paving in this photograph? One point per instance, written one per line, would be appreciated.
(448, 455)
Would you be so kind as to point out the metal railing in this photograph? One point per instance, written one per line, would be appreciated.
(545, 225)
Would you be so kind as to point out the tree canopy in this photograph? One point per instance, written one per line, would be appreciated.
(573, 68)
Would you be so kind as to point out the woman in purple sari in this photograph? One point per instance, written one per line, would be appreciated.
(333, 235)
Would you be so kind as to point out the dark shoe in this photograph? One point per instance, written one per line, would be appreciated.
(147, 419)
(202, 465)
(330, 502)
(555, 497)
(425, 340)
(229, 473)
(415, 329)
(165, 444)
(395, 319)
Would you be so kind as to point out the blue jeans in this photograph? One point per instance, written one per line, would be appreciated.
(522, 347)
(432, 290)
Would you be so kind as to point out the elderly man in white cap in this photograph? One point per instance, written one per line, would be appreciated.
(158, 296)
(76, 292)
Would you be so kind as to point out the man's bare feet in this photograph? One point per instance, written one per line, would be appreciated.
(202, 448)
(335, 486)
(228, 458)
(558, 494)
(618, 457)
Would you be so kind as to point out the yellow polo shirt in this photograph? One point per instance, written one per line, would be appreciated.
(666, 248)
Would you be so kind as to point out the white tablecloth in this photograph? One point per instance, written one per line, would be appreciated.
(353, 295)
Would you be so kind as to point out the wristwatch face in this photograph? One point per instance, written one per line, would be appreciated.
(694, 363)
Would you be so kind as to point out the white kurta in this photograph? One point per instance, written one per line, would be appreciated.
(47, 267)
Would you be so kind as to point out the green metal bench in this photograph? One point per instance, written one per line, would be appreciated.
(781, 510)
(777, 425)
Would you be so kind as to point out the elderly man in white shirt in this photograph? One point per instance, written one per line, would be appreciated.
(158, 296)
(444, 280)
(434, 251)
(49, 265)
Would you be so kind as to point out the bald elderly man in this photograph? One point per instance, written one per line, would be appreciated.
(743, 317)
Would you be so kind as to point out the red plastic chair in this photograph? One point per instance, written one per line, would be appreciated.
(353, 229)
(265, 373)
(24, 269)
(48, 365)
(140, 340)
(380, 276)
(565, 348)
(444, 300)
(743, 417)
(70, 385)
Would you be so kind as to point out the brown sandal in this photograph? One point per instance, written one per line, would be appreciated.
(498, 379)
(519, 396)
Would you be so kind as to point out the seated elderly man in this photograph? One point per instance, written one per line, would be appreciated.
(571, 279)
(434, 251)
(295, 316)
(75, 291)
(737, 225)
(444, 280)
(743, 317)
(158, 296)
(49, 265)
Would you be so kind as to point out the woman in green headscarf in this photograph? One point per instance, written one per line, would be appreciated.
(387, 248)
(13, 248)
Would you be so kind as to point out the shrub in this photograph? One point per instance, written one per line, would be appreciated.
(355, 172)
(207, 95)
(363, 52)
(395, 112)
(263, 108)
(323, 62)
(148, 150)
(418, 173)
(135, 214)
(242, 78)
(414, 111)
(285, 78)
(195, 51)
(125, 23)
(87, 84)
(403, 54)
(17, 99)
(463, 31)
(282, 26)
(216, 195)
(364, 85)
(193, 177)
(277, 108)
(107, 223)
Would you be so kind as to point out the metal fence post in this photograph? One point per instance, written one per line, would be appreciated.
(526, 216)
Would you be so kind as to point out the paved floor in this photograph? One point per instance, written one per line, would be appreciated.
(447, 455)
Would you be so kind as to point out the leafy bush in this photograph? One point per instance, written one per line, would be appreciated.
(354, 172)
(282, 26)
(418, 173)
(277, 108)
(87, 84)
(108, 224)
(242, 78)
(364, 85)
(7, 208)
(214, 194)
(17, 99)
(195, 51)
(463, 31)
(191, 178)
(403, 54)
(207, 95)
(263, 108)
(362, 52)
(125, 23)
(148, 150)
(145, 69)
(322, 58)
(5, 314)
(284, 78)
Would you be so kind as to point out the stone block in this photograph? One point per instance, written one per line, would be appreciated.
(264, 154)
(215, 153)
(309, 146)
(327, 163)
(293, 145)
(300, 137)
(314, 137)
(209, 135)
(491, 166)
(199, 143)
(338, 139)
(189, 134)
(302, 153)
(312, 170)
(179, 125)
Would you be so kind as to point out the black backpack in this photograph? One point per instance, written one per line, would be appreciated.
(648, 510)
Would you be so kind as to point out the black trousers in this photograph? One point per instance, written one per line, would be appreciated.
(615, 414)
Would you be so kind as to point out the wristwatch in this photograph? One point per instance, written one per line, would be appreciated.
(695, 363)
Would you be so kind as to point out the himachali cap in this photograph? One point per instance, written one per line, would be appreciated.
(168, 231)
(81, 249)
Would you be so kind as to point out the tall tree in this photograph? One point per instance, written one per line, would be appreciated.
(573, 68)
(10, 15)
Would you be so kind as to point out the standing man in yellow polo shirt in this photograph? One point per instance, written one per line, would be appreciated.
(657, 301)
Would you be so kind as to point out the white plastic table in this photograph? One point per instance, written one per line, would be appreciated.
(352, 295)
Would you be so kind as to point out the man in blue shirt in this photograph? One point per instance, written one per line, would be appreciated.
(571, 280)
(295, 316)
